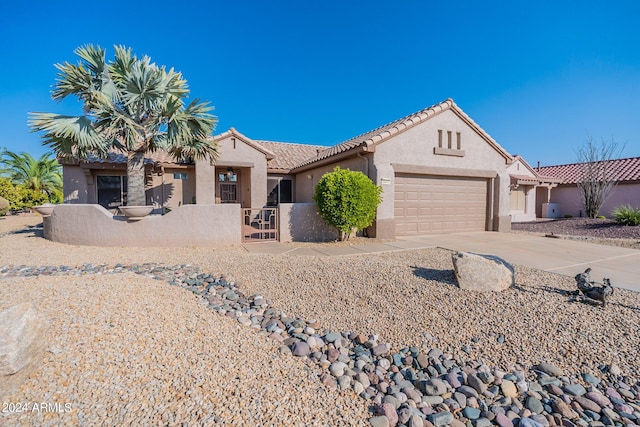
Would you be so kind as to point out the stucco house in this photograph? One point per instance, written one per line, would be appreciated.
(440, 172)
(530, 192)
(625, 173)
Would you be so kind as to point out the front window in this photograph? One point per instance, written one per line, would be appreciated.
(280, 191)
(228, 177)
(112, 191)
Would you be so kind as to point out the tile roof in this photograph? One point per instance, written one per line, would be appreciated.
(621, 170)
(285, 157)
(384, 132)
(538, 175)
(524, 178)
(289, 154)
(232, 132)
(119, 157)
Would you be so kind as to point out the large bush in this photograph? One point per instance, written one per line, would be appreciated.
(20, 196)
(31, 197)
(347, 200)
(10, 193)
(627, 215)
(4, 206)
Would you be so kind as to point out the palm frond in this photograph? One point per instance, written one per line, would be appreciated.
(69, 135)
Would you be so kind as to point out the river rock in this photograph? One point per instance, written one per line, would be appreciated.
(300, 349)
(441, 418)
(337, 369)
(389, 411)
(476, 383)
(482, 272)
(575, 389)
(549, 369)
(534, 405)
(433, 387)
(503, 421)
(380, 421)
(563, 409)
(598, 398)
(508, 388)
(471, 413)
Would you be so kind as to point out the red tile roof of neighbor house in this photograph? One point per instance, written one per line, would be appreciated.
(537, 178)
(620, 170)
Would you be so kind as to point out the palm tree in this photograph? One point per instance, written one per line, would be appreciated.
(131, 105)
(42, 175)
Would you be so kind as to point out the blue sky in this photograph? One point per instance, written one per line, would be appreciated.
(540, 77)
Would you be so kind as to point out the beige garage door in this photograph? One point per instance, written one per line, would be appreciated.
(432, 204)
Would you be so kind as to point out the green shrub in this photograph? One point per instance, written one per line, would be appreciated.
(347, 200)
(627, 215)
(568, 216)
(30, 197)
(11, 193)
(4, 206)
(601, 217)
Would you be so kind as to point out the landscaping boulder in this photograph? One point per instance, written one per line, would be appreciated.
(482, 272)
(22, 343)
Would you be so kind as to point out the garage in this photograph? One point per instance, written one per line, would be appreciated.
(427, 204)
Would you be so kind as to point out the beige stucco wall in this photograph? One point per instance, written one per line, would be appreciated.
(528, 212)
(169, 192)
(79, 184)
(568, 196)
(75, 185)
(300, 222)
(188, 225)
(416, 147)
(305, 182)
(237, 154)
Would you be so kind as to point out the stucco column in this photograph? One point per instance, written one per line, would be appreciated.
(385, 226)
(205, 182)
(501, 217)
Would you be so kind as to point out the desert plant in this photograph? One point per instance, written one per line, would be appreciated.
(347, 200)
(4, 206)
(131, 105)
(568, 216)
(627, 215)
(596, 181)
(43, 175)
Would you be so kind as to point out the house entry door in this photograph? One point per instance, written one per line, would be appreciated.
(228, 192)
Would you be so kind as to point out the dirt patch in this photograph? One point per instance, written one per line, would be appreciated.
(601, 231)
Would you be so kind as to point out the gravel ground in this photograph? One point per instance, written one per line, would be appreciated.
(601, 231)
(408, 298)
(159, 357)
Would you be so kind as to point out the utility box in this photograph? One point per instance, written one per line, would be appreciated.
(551, 210)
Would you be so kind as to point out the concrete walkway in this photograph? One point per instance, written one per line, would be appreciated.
(567, 257)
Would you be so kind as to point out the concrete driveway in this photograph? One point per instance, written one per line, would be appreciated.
(567, 257)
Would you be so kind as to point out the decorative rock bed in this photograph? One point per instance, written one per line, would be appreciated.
(406, 387)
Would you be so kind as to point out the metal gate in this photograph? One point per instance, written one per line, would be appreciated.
(259, 225)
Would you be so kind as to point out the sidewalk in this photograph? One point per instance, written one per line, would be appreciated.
(566, 257)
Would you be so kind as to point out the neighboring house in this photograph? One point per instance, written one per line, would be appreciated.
(529, 192)
(625, 173)
(440, 172)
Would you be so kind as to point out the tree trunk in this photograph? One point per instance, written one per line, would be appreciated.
(135, 179)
